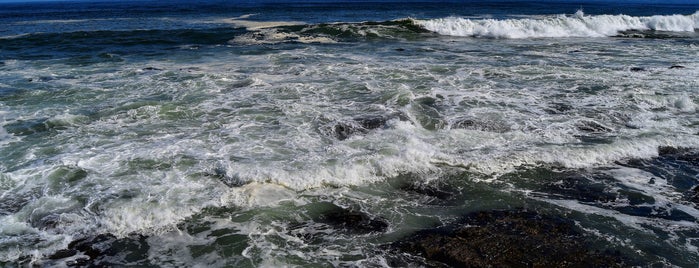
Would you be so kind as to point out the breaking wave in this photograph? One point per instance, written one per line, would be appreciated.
(577, 25)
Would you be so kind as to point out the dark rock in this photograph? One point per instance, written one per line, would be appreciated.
(27, 127)
(516, 238)
(63, 253)
(45, 221)
(94, 246)
(371, 122)
(105, 250)
(359, 125)
(694, 195)
(688, 155)
(667, 150)
(637, 69)
(482, 125)
(10, 205)
(342, 131)
(350, 220)
(152, 69)
(81, 262)
(592, 127)
(677, 67)
(400, 49)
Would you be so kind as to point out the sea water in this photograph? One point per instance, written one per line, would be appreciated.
(205, 133)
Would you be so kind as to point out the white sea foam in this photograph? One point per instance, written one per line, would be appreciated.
(242, 21)
(158, 147)
(579, 25)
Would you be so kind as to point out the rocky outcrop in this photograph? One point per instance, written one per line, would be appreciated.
(511, 238)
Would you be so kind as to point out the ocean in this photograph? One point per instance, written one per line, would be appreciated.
(345, 133)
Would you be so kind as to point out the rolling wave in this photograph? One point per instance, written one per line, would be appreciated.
(578, 25)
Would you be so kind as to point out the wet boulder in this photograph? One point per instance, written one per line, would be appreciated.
(509, 238)
(342, 131)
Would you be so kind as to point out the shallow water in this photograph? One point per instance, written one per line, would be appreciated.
(185, 139)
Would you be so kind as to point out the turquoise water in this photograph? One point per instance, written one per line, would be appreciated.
(219, 134)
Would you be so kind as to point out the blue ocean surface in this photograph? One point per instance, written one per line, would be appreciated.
(349, 133)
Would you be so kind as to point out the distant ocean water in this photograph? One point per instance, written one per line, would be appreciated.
(301, 133)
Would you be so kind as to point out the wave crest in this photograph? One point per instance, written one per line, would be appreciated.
(579, 25)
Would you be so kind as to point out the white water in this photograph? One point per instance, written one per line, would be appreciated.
(157, 135)
(579, 25)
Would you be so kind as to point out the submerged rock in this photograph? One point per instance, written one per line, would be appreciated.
(104, 250)
(592, 127)
(581, 188)
(28, 127)
(513, 238)
(435, 190)
(679, 166)
(359, 125)
(353, 221)
(428, 190)
(482, 125)
(426, 111)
